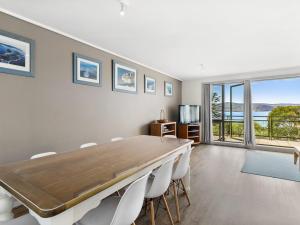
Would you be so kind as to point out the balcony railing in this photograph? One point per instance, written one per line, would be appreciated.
(280, 128)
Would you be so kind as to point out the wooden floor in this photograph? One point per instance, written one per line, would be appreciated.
(222, 195)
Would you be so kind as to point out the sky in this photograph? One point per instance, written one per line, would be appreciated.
(268, 91)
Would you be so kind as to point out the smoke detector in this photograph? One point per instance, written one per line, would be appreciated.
(123, 4)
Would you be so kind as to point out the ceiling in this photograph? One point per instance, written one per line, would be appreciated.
(185, 39)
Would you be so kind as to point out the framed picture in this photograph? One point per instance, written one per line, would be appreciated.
(124, 78)
(16, 54)
(168, 88)
(86, 70)
(150, 85)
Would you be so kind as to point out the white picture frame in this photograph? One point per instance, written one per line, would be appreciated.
(16, 54)
(124, 78)
(168, 89)
(150, 85)
(86, 71)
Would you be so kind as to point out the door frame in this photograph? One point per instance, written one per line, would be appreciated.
(222, 139)
(256, 147)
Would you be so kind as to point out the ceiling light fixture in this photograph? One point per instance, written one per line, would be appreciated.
(124, 5)
(200, 67)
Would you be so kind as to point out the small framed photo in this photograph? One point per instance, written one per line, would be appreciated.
(16, 54)
(86, 70)
(150, 85)
(168, 88)
(124, 78)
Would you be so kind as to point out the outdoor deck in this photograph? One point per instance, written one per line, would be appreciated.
(272, 131)
(260, 141)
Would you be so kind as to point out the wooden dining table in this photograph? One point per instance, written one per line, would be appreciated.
(60, 189)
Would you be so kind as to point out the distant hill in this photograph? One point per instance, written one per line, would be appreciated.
(257, 107)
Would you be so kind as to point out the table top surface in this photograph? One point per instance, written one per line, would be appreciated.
(52, 184)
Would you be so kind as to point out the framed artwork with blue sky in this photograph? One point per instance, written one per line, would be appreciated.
(87, 71)
(150, 85)
(168, 88)
(16, 54)
(124, 78)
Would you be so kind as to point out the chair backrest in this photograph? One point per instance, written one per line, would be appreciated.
(23, 220)
(170, 136)
(116, 139)
(181, 168)
(131, 202)
(161, 180)
(88, 145)
(42, 155)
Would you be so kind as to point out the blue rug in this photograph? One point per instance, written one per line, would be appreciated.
(271, 164)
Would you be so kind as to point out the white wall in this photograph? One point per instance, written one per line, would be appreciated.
(192, 92)
(192, 89)
(255, 75)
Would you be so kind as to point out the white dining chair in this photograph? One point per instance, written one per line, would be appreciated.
(170, 136)
(158, 184)
(116, 139)
(116, 210)
(180, 169)
(40, 155)
(22, 220)
(86, 145)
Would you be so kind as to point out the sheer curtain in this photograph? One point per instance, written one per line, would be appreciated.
(249, 124)
(206, 114)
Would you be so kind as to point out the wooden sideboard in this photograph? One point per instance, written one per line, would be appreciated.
(190, 131)
(161, 129)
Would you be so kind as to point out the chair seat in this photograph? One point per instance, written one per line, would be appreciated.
(23, 220)
(103, 214)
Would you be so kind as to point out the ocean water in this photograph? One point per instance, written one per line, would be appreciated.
(240, 115)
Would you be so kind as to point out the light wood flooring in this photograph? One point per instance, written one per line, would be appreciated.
(222, 195)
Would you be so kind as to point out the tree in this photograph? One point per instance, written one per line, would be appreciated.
(260, 130)
(284, 121)
(215, 100)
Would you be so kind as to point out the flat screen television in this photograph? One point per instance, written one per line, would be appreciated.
(189, 114)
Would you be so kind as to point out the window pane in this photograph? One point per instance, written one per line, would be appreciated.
(276, 112)
(228, 112)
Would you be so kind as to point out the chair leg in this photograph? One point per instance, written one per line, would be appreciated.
(295, 158)
(133, 223)
(176, 201)
(168, 210)
(146, 206)
(157, 207)
(185, 192)
(152, 212)
(118, 193)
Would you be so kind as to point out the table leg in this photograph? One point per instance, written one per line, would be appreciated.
(6, 205)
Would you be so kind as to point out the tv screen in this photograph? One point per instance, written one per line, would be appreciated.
(189, 114)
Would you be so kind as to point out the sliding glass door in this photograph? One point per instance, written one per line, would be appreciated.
(276, 112)
(227, 110)
(270, 115)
